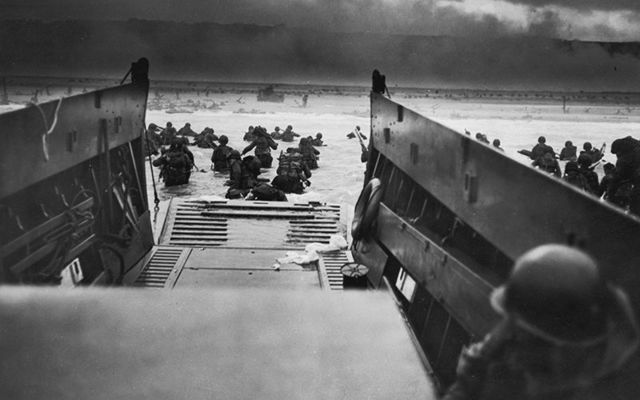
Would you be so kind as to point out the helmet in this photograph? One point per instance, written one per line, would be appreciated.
(258, 130)
(624, 145)
(223, 139)
(571, 166)
(234, 154)
(555, 292)
(608, 167)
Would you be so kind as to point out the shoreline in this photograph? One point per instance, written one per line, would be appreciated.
(20, 89)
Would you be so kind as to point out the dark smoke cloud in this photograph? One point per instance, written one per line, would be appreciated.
(333, 15)
(413, 17)
(584, 5)
(253, 53)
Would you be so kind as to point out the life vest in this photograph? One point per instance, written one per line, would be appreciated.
(366, 209)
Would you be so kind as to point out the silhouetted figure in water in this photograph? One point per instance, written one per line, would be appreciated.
(496, 144)
(586, 170)
(568, 152)
(220, 156)
(595, 154)
(481, 137)
(549, 164)
(176, 164)
(378, 83)
(289, 134)
(187, 131)
(541, 148)
(573, 176)
(318, 140)
(263, 144)
(356, 133)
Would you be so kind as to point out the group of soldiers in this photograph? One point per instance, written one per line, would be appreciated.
(620, 184)
(481, 137)
(294, 164)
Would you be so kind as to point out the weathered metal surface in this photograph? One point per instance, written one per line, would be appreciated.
(455, 215)
(163, 267)
(248, 224)
(78, 125)
(329, 266)
(513, 206)
(450, 281)
(244, 268)
(71, 185)
(206, 344)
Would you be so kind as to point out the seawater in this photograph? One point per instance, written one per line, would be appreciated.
(339, 179)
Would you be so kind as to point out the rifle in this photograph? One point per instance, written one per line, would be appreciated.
(602, 150)
(364, 156)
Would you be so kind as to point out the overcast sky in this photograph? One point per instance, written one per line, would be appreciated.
(605, 20)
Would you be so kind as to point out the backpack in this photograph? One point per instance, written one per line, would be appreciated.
(264, 191)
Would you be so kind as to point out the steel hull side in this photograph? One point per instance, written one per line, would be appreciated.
(83, 123)
(515, 207)
(73, 189)
(462, 292)
(446, 193)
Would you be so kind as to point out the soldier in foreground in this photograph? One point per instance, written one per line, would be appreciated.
(626, 172)
(563, 329)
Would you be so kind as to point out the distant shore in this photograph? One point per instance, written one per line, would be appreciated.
(25, 89)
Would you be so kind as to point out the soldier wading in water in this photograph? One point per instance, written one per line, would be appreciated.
(176, 164)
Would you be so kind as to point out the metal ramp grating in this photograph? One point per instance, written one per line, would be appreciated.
(191, 228)
(329, 267)
(163, 267)
(250, 224)
(313, 230)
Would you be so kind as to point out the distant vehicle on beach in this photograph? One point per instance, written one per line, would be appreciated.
(268, 94)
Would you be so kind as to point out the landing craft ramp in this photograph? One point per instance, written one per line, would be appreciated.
(236, 243)
(73, 194)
